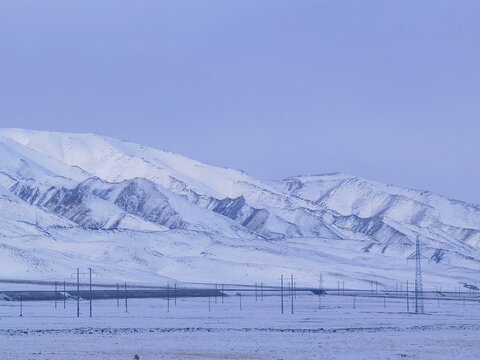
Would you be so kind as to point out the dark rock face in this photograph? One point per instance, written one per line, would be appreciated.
(145, 201)
(375, 228)
(229, 207)
(26, 192)
(69, 203)
(238, 210)
(438, 255)
(132, 199)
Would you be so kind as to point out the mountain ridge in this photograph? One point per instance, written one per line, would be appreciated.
(103, 184)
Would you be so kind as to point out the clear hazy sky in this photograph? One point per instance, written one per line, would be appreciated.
(387, 90)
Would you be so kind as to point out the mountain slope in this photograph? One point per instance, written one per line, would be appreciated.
(98, 186)
(358, 203)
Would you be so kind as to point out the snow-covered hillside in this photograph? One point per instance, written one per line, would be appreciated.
(136, 212)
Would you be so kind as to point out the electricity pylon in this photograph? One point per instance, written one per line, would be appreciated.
(419, 308)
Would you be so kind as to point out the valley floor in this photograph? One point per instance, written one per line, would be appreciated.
(373, 330)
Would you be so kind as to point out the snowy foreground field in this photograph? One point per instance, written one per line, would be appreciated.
(373, 330)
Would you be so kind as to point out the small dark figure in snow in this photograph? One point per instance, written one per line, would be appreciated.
(136, 357)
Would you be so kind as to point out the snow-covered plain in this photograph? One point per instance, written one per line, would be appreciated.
(449, 330)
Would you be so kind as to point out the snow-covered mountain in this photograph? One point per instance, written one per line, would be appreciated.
(141, 213)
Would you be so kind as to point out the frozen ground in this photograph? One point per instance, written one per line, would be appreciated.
(448, 330)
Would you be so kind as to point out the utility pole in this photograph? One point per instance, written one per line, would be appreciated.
(118, 295)
(55, 295)
(281, 290)
(126, 298)
(168, 297)
(78, 292)
(90, 273)
(64, 293)
(320, 291)
(291, 281)
(408, 301)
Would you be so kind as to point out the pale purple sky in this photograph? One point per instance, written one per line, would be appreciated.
(387, 90)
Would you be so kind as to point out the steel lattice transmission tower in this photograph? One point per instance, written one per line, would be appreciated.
(419, 308)
(418, 280)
